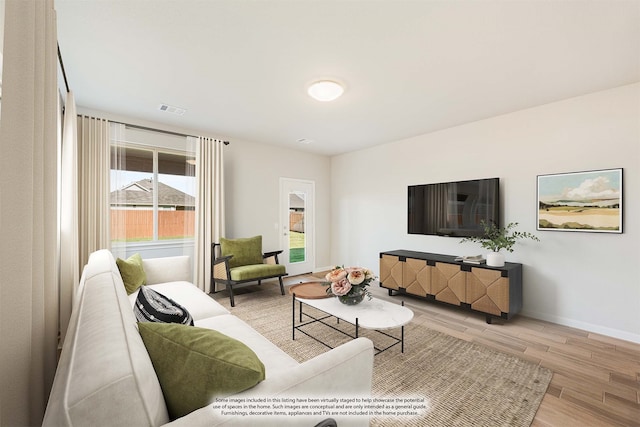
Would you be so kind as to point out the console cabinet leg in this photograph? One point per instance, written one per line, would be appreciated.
(390, 292)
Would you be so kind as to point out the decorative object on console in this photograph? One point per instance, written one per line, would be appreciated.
(497, 238)
(581, 201)
(495, 259)
(471, 259)
(349, 284)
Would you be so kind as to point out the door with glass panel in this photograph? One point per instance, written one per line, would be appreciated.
(297, 225)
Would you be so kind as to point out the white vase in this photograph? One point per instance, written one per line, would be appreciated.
(495, 259)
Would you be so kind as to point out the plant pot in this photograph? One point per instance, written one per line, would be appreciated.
(495, 259)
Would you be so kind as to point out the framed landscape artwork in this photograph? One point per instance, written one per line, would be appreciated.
(581, 201)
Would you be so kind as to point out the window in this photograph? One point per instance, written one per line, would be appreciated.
(153, 189)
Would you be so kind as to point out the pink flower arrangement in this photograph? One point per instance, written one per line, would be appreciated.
(341, 287)
(348, 281)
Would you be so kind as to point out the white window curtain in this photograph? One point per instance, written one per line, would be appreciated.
(93, 182)
(118, 137)
(70, 266)
(209, 207)
(28, 211)
(84, 209)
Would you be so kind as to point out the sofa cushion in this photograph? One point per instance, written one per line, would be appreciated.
(248, 272)
(132, 272)
(152, 306)
(275, 360)
(168, 269)
(245, 251)
(199, 304)
(194, 365)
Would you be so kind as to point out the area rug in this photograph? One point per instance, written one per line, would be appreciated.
(461, 383)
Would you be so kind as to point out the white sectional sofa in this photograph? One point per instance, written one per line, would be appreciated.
(105, 376)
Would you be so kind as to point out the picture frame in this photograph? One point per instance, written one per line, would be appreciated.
(590, 201)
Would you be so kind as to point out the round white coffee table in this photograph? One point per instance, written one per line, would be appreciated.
(374, 314)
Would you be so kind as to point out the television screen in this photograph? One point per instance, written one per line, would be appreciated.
(453, 208)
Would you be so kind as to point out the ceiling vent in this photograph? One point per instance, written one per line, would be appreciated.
(171, 109)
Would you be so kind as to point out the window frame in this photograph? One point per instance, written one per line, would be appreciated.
(155, 242)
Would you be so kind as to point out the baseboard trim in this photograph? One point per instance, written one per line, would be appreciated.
(320, 269)
(590, 327)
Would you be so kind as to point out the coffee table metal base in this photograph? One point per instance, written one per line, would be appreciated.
(322, 319)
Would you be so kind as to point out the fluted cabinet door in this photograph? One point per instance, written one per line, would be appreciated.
(391, 271)
(417, 277)
(448, 283)
(488, 291)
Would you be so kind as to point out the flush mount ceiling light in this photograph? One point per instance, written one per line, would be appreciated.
(325, 90)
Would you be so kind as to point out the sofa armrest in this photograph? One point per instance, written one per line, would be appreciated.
(167, 269)
(345, 371)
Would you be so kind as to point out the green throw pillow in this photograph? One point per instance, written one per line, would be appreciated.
(245, 251)
(194, 365)
(132, 272)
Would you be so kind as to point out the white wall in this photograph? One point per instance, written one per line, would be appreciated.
(585, 280)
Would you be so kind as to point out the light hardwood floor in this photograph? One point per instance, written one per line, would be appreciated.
(596, 379)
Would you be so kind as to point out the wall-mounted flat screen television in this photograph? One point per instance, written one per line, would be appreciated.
(454, 208)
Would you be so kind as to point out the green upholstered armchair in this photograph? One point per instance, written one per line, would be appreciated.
(238, 261)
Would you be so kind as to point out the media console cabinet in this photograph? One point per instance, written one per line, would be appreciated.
(493, 291)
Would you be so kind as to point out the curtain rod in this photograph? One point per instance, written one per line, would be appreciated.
(64, 74)
(159, 130)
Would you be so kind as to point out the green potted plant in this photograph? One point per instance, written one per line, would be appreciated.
(496, 238)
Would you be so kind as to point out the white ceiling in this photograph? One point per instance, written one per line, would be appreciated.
(241, 68)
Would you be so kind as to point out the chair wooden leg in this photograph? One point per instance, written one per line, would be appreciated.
(281, 285)
(230, 289)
